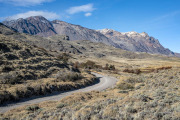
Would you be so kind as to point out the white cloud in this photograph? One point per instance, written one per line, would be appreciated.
(82, 8)
(48, 15)
(25, 2)
(166, 16)
(88, 14)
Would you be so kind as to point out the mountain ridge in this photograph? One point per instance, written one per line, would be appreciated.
(36, 25)
(77, 32)
(136, 42)
(131, 41)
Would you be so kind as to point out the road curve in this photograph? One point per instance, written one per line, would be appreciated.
(104, 83)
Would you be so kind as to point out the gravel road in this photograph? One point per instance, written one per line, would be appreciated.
(104, 83)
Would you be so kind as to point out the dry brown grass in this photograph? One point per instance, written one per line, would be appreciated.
(41, 87)
(153, 94)
(26, 70)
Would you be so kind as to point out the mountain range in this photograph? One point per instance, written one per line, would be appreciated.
(131, 41)
(32, 66)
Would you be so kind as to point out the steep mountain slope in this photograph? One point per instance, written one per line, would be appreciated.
(36, 25)
(86, 48)
(131, 41)
(136, 42)
(76, 32)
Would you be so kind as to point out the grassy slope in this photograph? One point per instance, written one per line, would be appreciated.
(27, 70)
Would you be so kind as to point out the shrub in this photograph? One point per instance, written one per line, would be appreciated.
(61, 105)
(112, 67)
(42, 49)
(88, 65)
(135, 71)
(109, 67)
(156, 70)
(11, 56)
(4, 47)
(32, 108)
(7, 68)
(70, 76)
(92, 65)
(134, 80)
(74, 76)
(164, 68)
(75, 67)
(9, 78)
(63, 57)
(125, 86)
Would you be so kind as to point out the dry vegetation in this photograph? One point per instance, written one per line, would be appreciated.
(27, 70)
(90, 65)
(152, 95)
(148, 86)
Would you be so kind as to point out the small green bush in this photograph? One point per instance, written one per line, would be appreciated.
(32, 108)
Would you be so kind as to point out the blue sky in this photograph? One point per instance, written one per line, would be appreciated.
(159, 18)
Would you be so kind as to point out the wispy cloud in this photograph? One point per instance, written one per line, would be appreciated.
(88, 14)
(25, 2)
(166, 16)
(48, 15)
(82, 8)
(160, 22)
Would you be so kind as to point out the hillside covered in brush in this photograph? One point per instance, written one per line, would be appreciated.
(27, 70)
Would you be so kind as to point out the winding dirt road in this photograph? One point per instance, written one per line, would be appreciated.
(104, 83)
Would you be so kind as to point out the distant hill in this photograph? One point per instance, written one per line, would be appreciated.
(131, 41)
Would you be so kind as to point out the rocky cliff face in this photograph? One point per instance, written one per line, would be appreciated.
(131, 41)
(36, 25)
(77, 32)
(39, 25)
(136, 42)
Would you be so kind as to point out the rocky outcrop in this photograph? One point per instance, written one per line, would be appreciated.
(136, 42)
(36, 25)
(77, 32)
